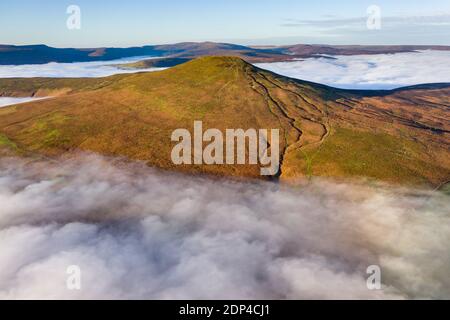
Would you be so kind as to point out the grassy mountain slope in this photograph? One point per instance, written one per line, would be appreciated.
(399, 136)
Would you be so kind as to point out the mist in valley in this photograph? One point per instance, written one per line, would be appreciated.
(136, 232)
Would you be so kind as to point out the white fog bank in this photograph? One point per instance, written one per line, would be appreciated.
(71, 70)
(380, 71)
(8, 101)
(138, 233)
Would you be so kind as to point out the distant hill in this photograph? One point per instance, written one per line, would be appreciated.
(154, 63)
(303, 50)
(39, 54)
(400, 136)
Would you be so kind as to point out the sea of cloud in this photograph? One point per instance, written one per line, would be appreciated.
(71, 70)
(381, 71)
(140, 233)
(6, 101)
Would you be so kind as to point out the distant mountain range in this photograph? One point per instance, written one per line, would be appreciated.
(399, 136)
(40, 54)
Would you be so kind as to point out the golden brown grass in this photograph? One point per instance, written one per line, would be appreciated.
(325, 131)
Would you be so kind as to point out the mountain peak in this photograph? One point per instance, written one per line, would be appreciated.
(217, 61)
(208, 67)
(326, 131)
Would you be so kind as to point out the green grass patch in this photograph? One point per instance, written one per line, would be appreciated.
(5, 142)
(377, 155)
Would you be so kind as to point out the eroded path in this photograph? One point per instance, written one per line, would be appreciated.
(304, 121)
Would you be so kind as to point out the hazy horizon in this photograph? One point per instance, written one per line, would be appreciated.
(227, 42)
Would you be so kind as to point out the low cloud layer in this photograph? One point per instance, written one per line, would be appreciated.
(7, 101)
(70, 70)
(140, 233)
(382, 71)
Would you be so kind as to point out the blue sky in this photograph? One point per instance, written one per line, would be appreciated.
(139, 22)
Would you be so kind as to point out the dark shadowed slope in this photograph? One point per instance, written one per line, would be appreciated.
(399, 136)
